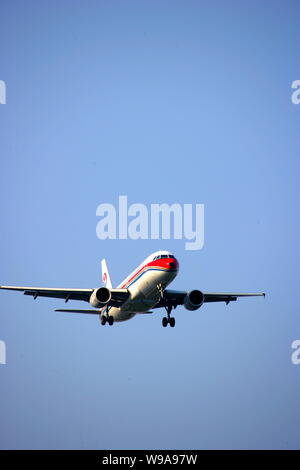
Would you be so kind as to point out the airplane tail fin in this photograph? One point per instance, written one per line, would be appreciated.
(105, 274)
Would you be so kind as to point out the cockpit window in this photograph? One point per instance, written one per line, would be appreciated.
(163, 256)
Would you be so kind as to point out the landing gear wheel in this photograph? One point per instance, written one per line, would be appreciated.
(110, 320)
(103, 320)
(169, 320)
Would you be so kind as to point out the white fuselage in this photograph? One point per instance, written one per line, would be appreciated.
(145, 285)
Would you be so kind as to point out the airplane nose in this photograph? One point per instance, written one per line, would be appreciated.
(173, 264)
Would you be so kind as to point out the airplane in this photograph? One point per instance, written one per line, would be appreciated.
(144, 289)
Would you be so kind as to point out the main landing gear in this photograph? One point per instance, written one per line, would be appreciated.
(168, 320)
(106, 318)
(109, 319)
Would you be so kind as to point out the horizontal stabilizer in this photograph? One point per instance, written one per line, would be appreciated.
(92, 312)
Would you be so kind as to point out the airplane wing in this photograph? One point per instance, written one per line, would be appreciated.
(118, 296)
(174, 298)
(229, 296)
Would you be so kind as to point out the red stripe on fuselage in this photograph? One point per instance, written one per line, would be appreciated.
(168, 264)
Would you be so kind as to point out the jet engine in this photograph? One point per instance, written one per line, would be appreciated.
(100, 297)
(193, 300)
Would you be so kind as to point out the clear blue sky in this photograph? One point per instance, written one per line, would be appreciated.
(169, 101)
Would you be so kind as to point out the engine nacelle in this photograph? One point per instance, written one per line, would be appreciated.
(193, 300)
(100, 297)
